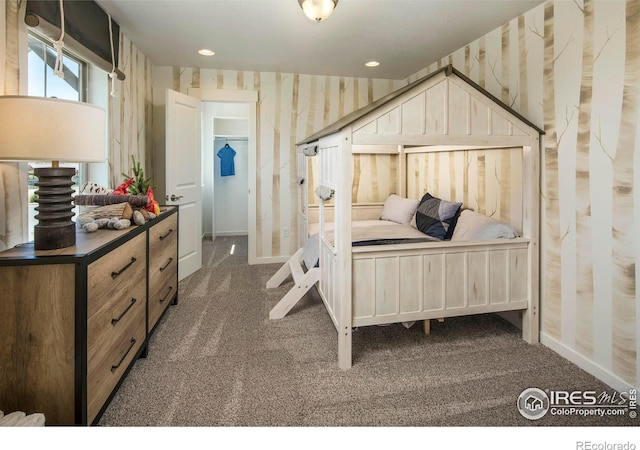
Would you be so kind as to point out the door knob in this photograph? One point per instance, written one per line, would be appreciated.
(175, 197)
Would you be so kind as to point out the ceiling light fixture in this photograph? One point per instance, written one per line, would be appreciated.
(318, 10)
(206, 52)
(372, 64)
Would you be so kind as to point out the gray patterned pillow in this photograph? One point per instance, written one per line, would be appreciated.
(436, 217)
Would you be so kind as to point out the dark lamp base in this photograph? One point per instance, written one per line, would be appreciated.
(55, 228)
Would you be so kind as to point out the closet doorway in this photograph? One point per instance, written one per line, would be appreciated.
(230, 178)
(230, 104)
(225, 169)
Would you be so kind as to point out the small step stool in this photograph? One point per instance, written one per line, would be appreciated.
(303, 282)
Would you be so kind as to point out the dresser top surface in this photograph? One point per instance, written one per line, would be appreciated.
(86, 243)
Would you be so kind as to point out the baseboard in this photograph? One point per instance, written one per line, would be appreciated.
(231, 233)
(209, 235)
(594, 369)
(271, 260)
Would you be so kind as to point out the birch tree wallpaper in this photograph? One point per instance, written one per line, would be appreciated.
(573, 68)
(130, 113)
(13, 176)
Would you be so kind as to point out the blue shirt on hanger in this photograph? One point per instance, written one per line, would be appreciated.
(227, 166)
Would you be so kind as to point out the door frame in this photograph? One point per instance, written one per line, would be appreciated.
(251, 99)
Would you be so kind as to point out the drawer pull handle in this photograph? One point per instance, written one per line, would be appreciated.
(114, 368)
(167, 294)
(117, 319)
(166, 235)
(166, 265)
(115, 274)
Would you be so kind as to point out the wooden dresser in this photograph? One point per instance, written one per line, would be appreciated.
(73, 321)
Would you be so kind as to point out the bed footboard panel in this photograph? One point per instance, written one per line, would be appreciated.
(414, 284)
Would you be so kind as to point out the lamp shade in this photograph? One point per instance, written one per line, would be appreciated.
(48, 129)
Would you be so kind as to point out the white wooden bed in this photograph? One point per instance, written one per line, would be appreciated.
(373, 285)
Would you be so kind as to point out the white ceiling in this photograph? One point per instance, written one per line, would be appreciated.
(275, 35)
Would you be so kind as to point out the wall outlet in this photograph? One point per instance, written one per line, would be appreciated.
(285, 232)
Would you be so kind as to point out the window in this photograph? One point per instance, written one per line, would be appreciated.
(43, 83)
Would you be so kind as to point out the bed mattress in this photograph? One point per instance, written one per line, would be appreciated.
(364, 232)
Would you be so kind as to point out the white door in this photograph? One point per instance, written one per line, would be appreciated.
(183, 177)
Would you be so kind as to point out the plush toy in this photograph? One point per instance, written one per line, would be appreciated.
(91, 188)
(118, 224)
(90, 225)
(122, 188)
(153, 206)
(138, 218)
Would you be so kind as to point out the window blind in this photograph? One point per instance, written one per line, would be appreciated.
(86, 27)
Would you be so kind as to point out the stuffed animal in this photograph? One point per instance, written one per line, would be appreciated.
(123, 188)
(91, 188)
(90, 225)
(139, 216)
(153, 206)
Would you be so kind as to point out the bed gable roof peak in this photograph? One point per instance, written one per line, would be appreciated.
(453, 71)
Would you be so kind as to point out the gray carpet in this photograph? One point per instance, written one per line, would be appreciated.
(217, 360)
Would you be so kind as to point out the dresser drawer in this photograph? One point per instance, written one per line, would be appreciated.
(163, 267)
(162, 292)
(111, 352)
(164, 234)
(114, 275)
(109, 322)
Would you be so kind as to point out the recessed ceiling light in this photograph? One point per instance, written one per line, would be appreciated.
(206, 52)
(372, 64)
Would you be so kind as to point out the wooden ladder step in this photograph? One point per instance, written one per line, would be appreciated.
(296, 270)
(295, 294)
(283, 273)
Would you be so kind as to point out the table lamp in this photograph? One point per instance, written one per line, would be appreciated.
(49, 129)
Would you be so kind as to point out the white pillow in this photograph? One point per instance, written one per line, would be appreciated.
(474, 226)
(399, 209)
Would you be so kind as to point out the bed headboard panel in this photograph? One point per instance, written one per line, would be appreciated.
(489, 181)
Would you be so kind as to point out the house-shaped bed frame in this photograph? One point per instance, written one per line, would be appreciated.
(443, 116)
